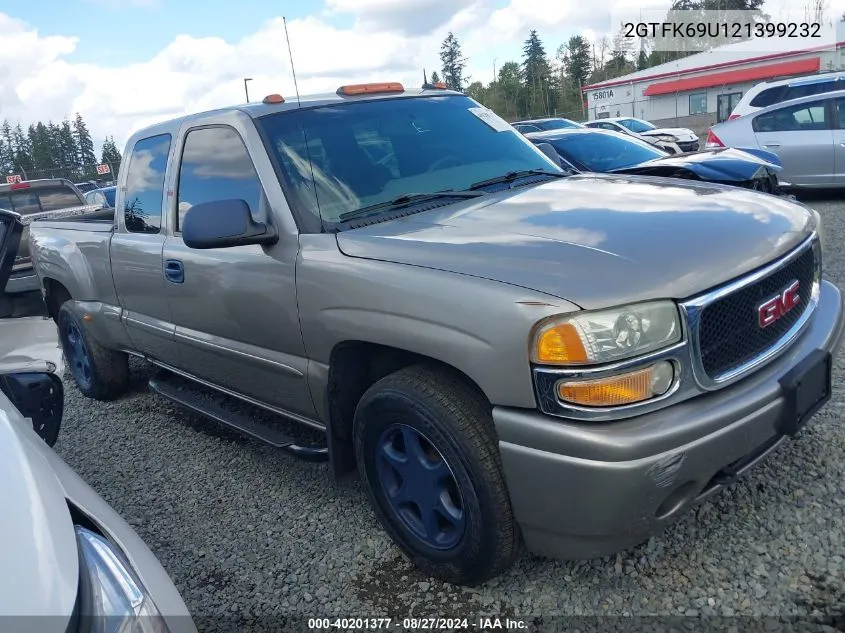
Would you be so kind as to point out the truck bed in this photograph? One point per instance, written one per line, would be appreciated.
(97, 221)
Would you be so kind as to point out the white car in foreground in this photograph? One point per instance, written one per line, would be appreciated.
(70, 563)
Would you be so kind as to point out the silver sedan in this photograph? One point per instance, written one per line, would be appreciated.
(807, 134)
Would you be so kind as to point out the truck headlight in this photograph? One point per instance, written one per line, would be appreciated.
(112, 599)
(603, 336)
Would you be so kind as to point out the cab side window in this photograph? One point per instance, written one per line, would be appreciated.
(216, 166)
(142, 204)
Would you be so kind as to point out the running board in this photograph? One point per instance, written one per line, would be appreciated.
(211, 406)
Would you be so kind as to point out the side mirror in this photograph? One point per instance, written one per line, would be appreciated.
(222, 224)
(550, 152)
(40, 397)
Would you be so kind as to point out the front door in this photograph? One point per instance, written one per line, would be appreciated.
(136, 252)
(802, 137)
(235, 309)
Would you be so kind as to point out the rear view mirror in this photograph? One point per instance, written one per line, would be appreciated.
(550, 152)
(223, 224)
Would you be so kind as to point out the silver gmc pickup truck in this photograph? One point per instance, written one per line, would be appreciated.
(506, 353)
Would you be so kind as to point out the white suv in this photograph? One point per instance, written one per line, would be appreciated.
(769, 93)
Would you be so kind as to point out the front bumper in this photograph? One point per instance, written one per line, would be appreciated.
(688, 146)
(607, 486)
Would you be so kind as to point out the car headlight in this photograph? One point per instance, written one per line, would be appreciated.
(112, 599)
(603, 336)
(667, 138)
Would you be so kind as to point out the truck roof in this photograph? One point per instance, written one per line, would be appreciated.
(35, 184)
(262, 108)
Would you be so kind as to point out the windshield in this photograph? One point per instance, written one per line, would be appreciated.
(558, 124)
(367, 153)
(635, 125)
(602, 152)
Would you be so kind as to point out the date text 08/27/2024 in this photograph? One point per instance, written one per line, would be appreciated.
(483, 623)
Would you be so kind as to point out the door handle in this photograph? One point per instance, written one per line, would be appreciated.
(174, 271)
(771, 144)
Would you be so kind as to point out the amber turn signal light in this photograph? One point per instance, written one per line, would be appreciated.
(613, 391)
(560, 343)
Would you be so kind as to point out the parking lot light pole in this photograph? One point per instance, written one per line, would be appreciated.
(246, 88)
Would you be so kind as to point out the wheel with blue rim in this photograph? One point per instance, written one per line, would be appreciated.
(99, 372)
(427, 453)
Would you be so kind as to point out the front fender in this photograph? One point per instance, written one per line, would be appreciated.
(484, 333)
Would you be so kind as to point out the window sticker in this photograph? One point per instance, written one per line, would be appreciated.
(492, 119)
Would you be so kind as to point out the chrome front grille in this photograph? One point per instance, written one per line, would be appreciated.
(728, 340)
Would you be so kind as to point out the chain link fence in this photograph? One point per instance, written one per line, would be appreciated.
(102, 174)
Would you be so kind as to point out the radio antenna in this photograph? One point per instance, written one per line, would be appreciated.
(292, 69)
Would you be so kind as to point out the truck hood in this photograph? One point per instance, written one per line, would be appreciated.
(596, 240)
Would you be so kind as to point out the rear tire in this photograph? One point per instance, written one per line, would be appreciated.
(428, 455)
(99, 373)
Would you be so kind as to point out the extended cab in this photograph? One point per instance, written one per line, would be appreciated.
(506, 352)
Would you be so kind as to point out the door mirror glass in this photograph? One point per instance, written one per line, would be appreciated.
(223, 224)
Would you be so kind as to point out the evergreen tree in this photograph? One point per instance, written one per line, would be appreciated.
(22, 161)
(453, 63)
(7, 158)
(42, 150)
(84, 145)
(435, 77)
(67, 151)
(537, 76)
(111, 156)
(642, 59)
(577, 59)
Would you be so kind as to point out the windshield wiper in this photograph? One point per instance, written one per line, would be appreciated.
(513, 175)
(406, 199)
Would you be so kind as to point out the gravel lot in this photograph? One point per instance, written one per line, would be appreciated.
(250, 535)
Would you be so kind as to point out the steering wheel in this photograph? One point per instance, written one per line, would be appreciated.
(443, 161)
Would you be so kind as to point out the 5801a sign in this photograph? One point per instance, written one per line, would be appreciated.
(603, 95)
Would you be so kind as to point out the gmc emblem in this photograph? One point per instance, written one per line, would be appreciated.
(774, 308)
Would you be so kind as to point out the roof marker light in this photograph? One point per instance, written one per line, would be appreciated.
(359, 89)
(273, 99)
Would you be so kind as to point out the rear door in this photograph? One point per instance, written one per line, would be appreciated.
(136, 251)
(802, 136)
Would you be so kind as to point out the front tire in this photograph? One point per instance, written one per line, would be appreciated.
(99, 373)
(428, 455)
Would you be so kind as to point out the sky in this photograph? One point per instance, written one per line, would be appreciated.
(125, 64)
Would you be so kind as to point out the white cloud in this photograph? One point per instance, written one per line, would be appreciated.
(388, 41)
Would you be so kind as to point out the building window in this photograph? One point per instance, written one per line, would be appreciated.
(698, 103)
(726, 104)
